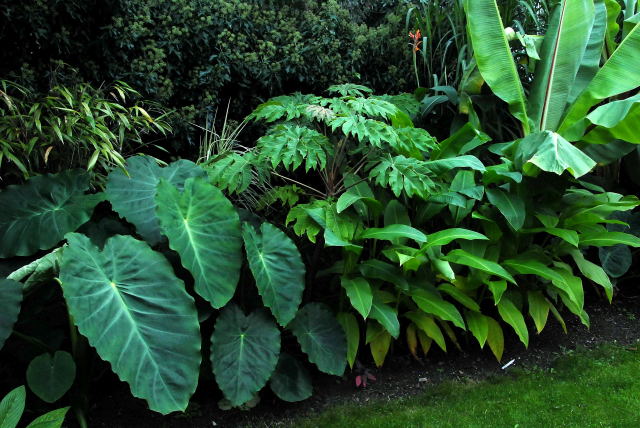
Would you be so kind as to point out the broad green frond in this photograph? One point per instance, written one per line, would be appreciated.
(291, 145)
(401, 174)
(231, 172)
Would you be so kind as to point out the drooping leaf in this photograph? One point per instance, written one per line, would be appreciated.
(379, 341)
(538, 309)
(321, 337)
(478, 326)
(291, 381)
(359, 293)
(36, 215)
(11, 407)
(38, 271)
(510, 205)
(244, 352)
(512, 316)
(446, 236)
(352, 331)
(51, 376)
(10, 301)
(493, 56)
(386, 315)
(402, 174)
(464, 258)
(394, 231)
(278, 269)
(137, 315)
(133, 196)
(428, 326)
(204, 229)
(432, 303)
(551, 152)
(497, 289)
(377, 269)
(52, 419)
(495, 338)
(594, 272)
(459, 296)
(616, 120)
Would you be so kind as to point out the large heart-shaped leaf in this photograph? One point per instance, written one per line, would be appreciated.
(291, 381)
(51, 376)
(244, 352)
(11, 407)
(131, 307)
(10, 300)
(277, 268)
(321, 337)
(133, 196)
(36, 215)
(204, 229)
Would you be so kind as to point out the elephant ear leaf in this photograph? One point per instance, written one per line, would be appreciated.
(204, 229)
(10, 300)
(244, 352)
(51, 376)
(321, 337)
(277, 268)
(137, 315)
(291, 381)
(36, 215)
(133, 195)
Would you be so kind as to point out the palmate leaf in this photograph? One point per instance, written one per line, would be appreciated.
(373, 107)
(244, 352)
(550, 152)
(232, 172)
(277, 268)
(404, 175)
(204, 229)
(292, 145)
(36, 215)
(10, 301)
(133, 196)
(321, 337)
(283, 107)
(128, 303)
(349, 89)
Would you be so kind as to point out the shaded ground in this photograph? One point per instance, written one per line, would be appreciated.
(618, 323)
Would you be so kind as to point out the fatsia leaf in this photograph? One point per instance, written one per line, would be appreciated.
(10, 301)
(291, 145)
(551, 152)
(512, 316)
(52, 419)
(444, 237)
(244, 352)
(51, 376)
(133, 195)
(291, 381)
(432, 303)
(232, 172)
(277, 267)
(563, 48)
(394, 231)
(36, 215)
(359, 293)
(464, 258)
(349, 89)
(204, 229)
(351, 329)
(321, 337)
(401, 174)
(128, 303)
(510, 205)
(12, 406)
(493, 56)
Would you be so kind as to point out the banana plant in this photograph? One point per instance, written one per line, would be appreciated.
(584, 87)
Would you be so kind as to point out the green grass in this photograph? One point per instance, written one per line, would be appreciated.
(598, 388)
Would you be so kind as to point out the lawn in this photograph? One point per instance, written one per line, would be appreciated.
(595, 388)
